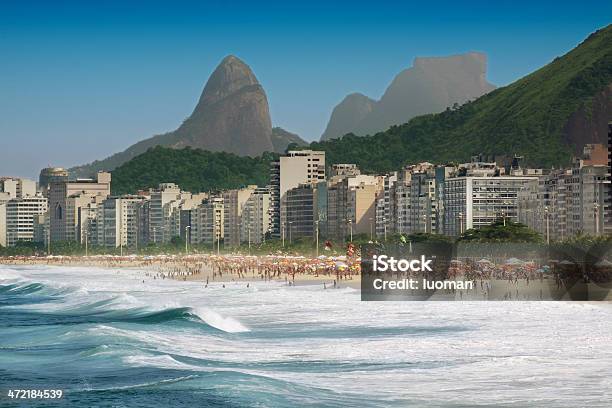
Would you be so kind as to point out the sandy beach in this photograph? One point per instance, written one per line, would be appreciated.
(293, 270)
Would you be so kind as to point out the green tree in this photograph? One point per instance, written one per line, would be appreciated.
(498, 232)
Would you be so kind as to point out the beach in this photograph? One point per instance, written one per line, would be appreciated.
(291, 270)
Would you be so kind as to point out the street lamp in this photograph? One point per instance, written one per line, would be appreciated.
(290, 227)
(596, 210)
(461, 223)
(385, 227)
(49, 239)
(547, 216)
(283, 233)
(187, 233)
(317, 236)
(249, 234)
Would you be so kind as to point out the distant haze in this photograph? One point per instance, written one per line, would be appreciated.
(429, 86)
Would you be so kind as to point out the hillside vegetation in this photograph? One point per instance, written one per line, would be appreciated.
(192, 169)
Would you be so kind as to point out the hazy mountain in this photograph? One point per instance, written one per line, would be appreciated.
(281, 139)
(547, 117)
(232, 116)
(430, 86)
(347, 114)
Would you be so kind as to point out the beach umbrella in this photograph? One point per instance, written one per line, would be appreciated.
(514, 261)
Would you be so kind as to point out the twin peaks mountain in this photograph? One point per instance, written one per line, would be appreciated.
(430, 86)
(232, 116)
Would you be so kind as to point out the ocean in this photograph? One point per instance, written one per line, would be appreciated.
(105, 338)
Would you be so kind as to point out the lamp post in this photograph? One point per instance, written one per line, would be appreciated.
(49, 239)
(385, 228)
(290, 227)
(596, 210)
(317, 236)
(249, 235)
(425, 223)
(283, 233)
(460, 223)
(187, 233)
(547, 216)
(503, 213)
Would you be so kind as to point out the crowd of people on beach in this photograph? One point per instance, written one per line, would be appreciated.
(216, 267)
(330, 270)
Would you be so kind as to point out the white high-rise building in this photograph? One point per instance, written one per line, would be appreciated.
(164, 202)
(207, 222)
(256, 220)
(19, 216)
(62, 207)
(234, 202)
(117, 222)
(474, 202)
(292, 169)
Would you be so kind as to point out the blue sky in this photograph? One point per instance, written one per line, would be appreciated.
(80, 81)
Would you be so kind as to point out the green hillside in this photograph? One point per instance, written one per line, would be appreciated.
(526, 118)
(192, 169)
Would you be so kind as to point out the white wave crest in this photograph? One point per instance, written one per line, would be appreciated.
(214, 319)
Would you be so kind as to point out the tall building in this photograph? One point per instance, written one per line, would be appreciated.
(18, 187)
(567, 202)
(51, 175)
(474, 202)
(80, 209)
(256, 219)
(207, 222)
(60, 194)
(608, 209)
(117, 222)
(19, 214)
(234, 202)
(306, 209)
(292, 169)
(165, 203)
(416, 203)
(3, 224)
(386, 210)
(351, 205)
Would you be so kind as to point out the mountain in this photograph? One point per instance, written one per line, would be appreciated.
(351, 111)
(547, 117)
(281, 139)
(430, 86)
(232, 115)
